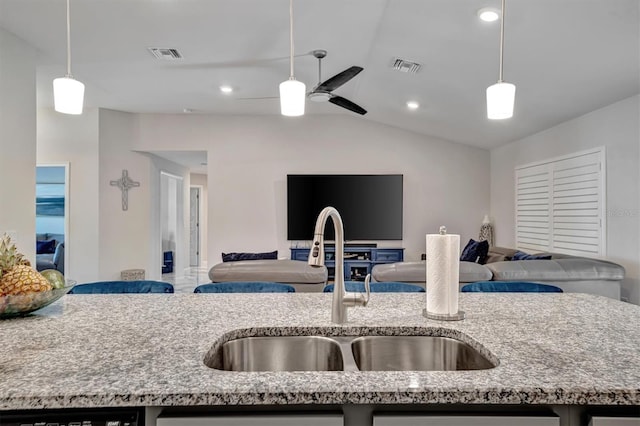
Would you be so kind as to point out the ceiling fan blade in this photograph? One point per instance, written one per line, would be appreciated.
(339, 79)
(346, 103)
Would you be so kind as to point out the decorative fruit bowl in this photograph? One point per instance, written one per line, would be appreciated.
(22, 304)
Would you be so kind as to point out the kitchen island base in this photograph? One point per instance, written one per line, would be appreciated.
(395, 415)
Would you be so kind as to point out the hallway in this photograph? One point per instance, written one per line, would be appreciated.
(189, 280)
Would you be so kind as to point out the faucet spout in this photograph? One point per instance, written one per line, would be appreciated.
(341, 298)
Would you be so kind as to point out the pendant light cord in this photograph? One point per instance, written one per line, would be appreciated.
(290, 38)
(68, 41)
(501, 42)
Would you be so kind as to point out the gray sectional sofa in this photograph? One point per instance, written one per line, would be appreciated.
(572, 274)
(299, 274)
(53, 260)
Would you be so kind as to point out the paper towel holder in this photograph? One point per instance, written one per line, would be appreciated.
(460, 315)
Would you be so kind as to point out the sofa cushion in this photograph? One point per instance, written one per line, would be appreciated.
(568, 269)
(416, 272)
(49, 236)
(45, 261)
(234, 257)
(245, 287)
(111, 287)
(499, 254)
(281, 271)
(509, 287)
(58, 257)
(45, 246)
(520, 255)
(495, 257)
(475, 251)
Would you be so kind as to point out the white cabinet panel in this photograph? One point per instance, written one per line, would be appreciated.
(472, 420)
(614, 421)
(261, 420)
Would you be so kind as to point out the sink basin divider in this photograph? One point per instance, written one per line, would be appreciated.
(348, 360)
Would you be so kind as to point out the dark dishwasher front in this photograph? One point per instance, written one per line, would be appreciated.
(74, 417)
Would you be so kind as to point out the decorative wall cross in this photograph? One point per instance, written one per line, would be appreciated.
(125, 183)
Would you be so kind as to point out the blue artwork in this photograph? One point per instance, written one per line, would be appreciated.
(50, 206)
(50, 191)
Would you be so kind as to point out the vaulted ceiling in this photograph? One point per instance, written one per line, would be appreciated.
(566, 57)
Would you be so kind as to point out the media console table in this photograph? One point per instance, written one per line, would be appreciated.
(358, 260)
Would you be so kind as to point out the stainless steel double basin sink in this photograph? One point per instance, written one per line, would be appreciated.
(347, 353)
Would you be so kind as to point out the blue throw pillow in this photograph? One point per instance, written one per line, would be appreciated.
(475, 251)
(234, 257)
(520, 255)
(45, 246)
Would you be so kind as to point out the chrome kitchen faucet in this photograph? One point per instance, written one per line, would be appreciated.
(341, 298)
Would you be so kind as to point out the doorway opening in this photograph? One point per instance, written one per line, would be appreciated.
(194, 225)
(52, 217)
(171, 220)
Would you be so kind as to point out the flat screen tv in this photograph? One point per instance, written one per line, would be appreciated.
(370, 205)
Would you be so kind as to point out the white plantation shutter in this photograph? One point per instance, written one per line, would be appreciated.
(532, 208)
(560, 205)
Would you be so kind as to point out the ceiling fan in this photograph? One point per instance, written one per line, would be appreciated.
(322, 91)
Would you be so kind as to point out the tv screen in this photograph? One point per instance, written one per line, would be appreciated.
(370, 205)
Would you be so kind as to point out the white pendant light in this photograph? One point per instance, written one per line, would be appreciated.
(501, 96)
(68, 93)
(293, 93)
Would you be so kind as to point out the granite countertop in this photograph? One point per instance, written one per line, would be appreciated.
(148, 350)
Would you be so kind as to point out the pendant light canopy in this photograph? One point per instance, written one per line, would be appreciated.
(68, 93)
(501, 96)
(293, 93)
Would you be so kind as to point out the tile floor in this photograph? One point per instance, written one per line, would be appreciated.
(189, 279)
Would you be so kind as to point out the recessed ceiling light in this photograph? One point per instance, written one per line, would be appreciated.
(226, 89)
(413, 105)
(488, 14)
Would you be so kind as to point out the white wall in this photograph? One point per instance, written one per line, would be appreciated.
(104, 239)
(249, 157)
(616, 127)
(18, 142)
(201, 180)
(124, 235)
(74, 139)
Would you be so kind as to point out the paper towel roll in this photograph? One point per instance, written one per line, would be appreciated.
(443, 270)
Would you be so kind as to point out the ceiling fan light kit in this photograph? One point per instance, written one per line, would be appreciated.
(68, 93)
(292, 97)
(501, 96)
(500, 100)
(293, 93)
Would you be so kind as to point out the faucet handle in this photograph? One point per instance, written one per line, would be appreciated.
(367, 287)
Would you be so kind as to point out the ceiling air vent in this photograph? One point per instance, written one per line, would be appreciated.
(164, 53)
(406, 66)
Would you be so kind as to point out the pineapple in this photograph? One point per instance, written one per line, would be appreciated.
(16, 274)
